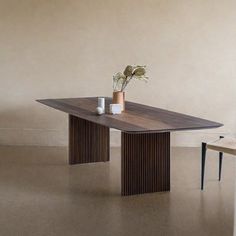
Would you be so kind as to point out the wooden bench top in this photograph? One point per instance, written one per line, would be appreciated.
(227, 145)
(137, 118)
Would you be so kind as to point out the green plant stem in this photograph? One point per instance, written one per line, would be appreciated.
(123, 84)
(126, 83)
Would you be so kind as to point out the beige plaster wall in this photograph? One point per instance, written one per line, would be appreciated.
(71, 48)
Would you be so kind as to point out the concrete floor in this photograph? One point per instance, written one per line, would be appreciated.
(41, 195)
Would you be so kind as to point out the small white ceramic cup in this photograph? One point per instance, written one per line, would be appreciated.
(115, 109)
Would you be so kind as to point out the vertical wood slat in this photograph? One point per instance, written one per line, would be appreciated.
(88, 142)
(145, 163)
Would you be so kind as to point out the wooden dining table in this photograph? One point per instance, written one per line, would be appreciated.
(145, 139)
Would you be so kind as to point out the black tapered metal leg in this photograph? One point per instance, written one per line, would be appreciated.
(203, 164)
(220, 161)
(220, 164)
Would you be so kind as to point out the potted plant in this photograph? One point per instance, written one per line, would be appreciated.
(121, 80)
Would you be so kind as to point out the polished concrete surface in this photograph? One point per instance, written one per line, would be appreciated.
(41, 195)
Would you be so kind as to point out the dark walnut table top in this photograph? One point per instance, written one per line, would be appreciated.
(137, 118)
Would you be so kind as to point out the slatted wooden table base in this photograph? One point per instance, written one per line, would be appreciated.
(145, 163)
(88, 142)
(145, 158)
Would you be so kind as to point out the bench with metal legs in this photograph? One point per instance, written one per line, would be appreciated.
(222, 145)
